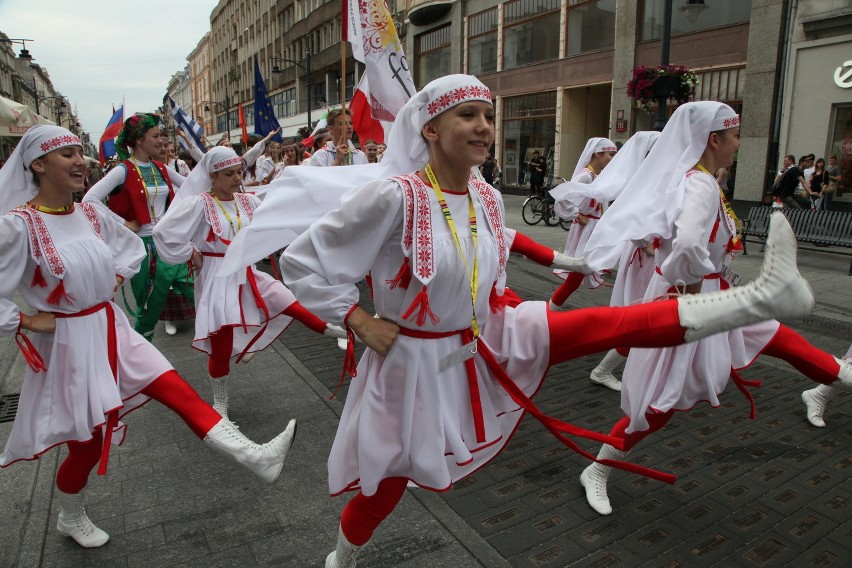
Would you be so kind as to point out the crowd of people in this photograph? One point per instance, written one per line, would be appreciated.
(806, 184)
(453, 356)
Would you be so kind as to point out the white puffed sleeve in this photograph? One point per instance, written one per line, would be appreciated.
(175, 177)
(689, 260)
(323, 264)
(127, 248)
(14, 255)
(99, 192)
(254, 153)
(178, 230)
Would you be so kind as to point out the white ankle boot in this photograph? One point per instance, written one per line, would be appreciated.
(816, 400)
(265, 460)
(779, 292)
(844, 375)
(572, 263)
(602, 374)
(344, 555)
(594, 479)
(74, 522)
(220, 395)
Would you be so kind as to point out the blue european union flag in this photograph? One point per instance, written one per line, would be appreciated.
(264, 117)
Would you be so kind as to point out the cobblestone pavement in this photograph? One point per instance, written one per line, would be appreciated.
(773, 491)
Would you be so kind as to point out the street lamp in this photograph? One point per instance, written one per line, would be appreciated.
(226, 105)
(305, 67)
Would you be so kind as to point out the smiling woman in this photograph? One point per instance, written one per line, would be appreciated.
(86, 366)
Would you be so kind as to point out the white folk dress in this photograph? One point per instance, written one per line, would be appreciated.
(404, 417)
(83, 251)
(250, 301)
(579, 234)
(635, 270)
(681, 377)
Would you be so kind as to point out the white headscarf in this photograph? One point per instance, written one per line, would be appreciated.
(308, 193)
(655, 199)
(593, 146)
(198, 181)
(612, 180)
(16, 180)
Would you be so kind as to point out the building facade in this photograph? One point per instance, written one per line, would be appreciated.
(559, 69)
(200, 77)
(817, 109)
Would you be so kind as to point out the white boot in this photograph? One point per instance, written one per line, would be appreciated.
(779, 292)
(844, 375)
(594, 479)
(220, 395)
(602, 374)
(265, 460)
(815, 401)
(74, 522)
(344, 555)
(572, 263)
(171, 329)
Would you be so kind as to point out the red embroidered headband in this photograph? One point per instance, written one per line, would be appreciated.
(457, 96)
(59, 142)
(226, 163)
(725, 122)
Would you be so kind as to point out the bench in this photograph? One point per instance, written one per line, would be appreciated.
(820, 228)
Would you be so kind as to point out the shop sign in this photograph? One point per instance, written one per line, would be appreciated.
(843, 75)
(621, 126)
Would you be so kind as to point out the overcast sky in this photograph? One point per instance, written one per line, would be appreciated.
(98, 51)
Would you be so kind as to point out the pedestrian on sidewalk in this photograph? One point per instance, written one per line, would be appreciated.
(677, 199)
(445, 380)
(239, 314)
(87, 368)
(594, 158)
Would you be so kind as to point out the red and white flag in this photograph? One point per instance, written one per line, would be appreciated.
(368, 26)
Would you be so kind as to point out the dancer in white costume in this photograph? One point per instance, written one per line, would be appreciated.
(87, 366)
(676, 199)
(239, 314)
(594, 158)
(636, 264)
(445, 380)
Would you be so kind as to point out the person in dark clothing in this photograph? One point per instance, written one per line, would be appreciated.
(536, 168)
(488, 169)
(786, 188)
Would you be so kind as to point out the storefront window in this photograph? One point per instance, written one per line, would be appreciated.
(591, 26)
(433, 55)
(531, 32)
(719, 13)
(482, 42)
(529, 123)
(841, 146)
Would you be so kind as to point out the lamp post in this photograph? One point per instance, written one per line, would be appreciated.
(692, 9)
(226, 105)
(306, 68)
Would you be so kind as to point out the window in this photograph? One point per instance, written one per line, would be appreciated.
(531, 32)
(719, 13)
(284, 103)
(248, 112)
(840, 131)
(482, 42)
(720, 85)
(529, 123)
(433, 55)
(591, 26)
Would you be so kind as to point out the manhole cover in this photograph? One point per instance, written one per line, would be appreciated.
(8, 407)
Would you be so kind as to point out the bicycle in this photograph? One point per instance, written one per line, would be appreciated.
(540, 207)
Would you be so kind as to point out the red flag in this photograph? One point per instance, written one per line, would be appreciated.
(242, 120)
(363, 122)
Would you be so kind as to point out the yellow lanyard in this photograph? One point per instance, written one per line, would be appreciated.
(474, 277)
(228, 217)
(145, 186)
(728, 209)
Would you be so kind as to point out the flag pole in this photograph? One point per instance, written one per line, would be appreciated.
(343, 79)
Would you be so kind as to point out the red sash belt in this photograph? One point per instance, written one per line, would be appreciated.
(112, 353)
(556, 427)
(587, 217)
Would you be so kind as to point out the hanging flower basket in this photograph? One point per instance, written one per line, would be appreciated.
(674, 82)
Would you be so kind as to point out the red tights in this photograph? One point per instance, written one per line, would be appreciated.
(170, 390)
(221, 346)
(363, 514)
(572, 282)
(788, 345)
(813, 363)
(577, 333)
